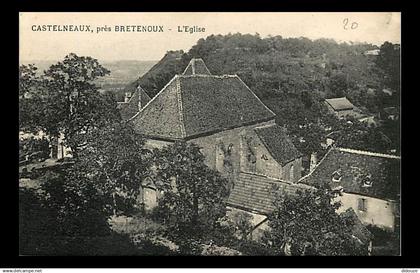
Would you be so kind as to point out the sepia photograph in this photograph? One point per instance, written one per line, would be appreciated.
(209, 134)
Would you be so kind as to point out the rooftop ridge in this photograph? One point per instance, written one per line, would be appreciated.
(265, 126)
(208, 76)
(361, 152)
(179, 101)
(275, 180)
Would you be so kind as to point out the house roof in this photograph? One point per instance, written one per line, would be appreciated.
(257, 193)
(193, 105)
(278, 143)
(339, 104)
(366, 173)
(130, 108)
(196, 67)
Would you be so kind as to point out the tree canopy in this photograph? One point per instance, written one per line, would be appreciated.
(193, 194)
(307, 224)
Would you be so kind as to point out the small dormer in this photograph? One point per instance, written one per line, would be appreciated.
(336, 176)
(196, 67)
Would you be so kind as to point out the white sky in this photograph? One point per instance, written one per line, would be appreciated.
(373, 28)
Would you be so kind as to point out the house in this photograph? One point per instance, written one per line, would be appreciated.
(343, 108)
(370, 184)
(237, 133)
(373, 52)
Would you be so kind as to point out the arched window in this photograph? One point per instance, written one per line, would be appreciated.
(292, 173)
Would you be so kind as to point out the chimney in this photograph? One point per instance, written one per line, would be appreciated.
(127, 96)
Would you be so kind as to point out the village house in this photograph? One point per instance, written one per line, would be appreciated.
(343, 108)
(370, 184)
(236, 131)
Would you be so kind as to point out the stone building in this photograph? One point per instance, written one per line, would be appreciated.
(370, 184)
(237, 133)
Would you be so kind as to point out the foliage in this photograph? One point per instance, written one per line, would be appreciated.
(65, 100)
(357, 135)
(308, 223)
(40, 234)
(75, 204)
(389, 61)
(242, 224)
(193, 194)
(384, 242)
(33, 148)
(116, 160)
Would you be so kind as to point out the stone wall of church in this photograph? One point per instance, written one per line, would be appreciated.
(223, 150)
(241, 150)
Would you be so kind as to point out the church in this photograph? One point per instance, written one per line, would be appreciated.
(237, 134)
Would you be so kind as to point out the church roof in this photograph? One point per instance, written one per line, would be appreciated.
(360, 172)
(278, 143)
(130, 108)
(191, 105)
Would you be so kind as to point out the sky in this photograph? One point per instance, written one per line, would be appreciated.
(374, 28)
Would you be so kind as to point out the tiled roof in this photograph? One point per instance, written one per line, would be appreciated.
(367, 173)
(130, 108)
(192, 105)
(196, 66)
(278, 143)
(257, 193)
(340, 104)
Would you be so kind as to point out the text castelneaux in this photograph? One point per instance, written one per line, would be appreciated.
(115, 28)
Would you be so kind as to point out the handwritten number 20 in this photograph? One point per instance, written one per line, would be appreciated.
(353, 25)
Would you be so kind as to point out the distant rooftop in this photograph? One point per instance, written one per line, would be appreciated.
(339, 104)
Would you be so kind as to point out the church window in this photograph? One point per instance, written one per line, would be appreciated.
(292, 173)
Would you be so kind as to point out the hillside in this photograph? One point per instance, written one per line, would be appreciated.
(293, 76)
(159, 74)
(275, 65)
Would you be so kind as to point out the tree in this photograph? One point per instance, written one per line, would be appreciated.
(389, 61)
(116, 161)
(354, 134)
(66, 100)
(194, 195)
(75, 206)
(308, 224)
(338, 85)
